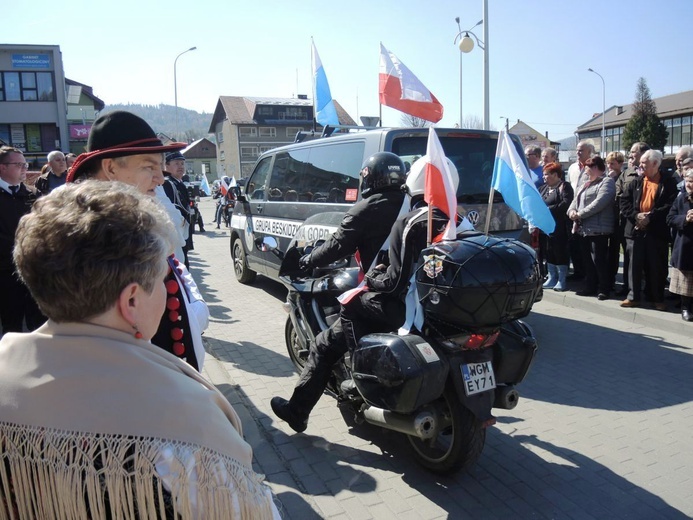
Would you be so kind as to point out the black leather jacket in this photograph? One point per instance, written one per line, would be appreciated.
(365, 228)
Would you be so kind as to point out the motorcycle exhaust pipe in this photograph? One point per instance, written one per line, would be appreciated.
(423, 425)
(506, 397)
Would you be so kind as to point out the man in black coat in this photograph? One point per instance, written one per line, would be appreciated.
(645, 204)
(177, 192)
(16, 303)
(363, 230)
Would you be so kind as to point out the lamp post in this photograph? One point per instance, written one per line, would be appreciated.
(466, 44)
(603, 110)
(460, 37)
(175, 85)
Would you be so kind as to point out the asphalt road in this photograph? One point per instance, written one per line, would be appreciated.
(603, 428)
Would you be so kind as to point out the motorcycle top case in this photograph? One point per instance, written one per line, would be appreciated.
(477, 281)
(398, 373)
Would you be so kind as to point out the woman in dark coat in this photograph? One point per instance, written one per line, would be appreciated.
(557, 195)
(680, 218)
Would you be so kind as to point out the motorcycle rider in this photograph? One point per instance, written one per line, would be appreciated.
(363, 231)
(381, 308)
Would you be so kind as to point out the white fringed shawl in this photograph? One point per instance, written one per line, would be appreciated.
(96, 424)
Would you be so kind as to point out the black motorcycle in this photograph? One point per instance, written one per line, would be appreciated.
(437, 387)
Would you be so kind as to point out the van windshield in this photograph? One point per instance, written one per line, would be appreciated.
(472, 156)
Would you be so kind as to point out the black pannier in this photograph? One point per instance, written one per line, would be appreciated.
(398, 373)
(477, 281)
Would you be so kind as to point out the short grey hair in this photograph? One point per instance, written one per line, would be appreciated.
(587, 145)
(54, 155)
(653, 155)
(533, 148)
(552, 152)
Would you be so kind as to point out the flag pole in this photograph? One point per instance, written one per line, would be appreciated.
(489, 207)
(312, 82)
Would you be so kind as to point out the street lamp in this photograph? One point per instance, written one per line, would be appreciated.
(460, 38)
(466, 44)
(603, 109)
(175, 84)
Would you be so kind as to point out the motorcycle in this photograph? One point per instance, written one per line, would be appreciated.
(437, 387)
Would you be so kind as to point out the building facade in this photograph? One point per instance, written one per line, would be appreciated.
(675, 111)
(33, 105)
(40, 109)
(201, 158)
(529, 136)
(83, 107)
(245, 127)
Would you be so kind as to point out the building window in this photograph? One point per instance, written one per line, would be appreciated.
(686, 131)
(222, 155)
(264, 111)
(248, 152)
(295, 113)
(268, 131)
(220, 137)
(247, 131)
(26, 86)
(291, 131)
(264, 149)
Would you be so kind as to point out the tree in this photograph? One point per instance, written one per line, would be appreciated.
(473, 121)
(410, 120)
(644, 125)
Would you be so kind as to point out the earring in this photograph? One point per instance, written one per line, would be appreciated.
(138, 334)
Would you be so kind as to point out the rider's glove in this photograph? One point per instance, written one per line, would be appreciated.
(304, 262)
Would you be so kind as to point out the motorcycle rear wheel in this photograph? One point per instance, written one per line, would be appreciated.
(459, 442)
(293, 346)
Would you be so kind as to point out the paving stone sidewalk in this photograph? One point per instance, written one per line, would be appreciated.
(603, 428)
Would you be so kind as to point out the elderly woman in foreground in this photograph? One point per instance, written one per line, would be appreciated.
(95, 421)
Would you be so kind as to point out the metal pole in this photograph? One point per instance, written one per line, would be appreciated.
(175, 86)
(602, 151)
(486, 51)
(461, 113)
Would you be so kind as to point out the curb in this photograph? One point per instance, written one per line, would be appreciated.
(669, 321)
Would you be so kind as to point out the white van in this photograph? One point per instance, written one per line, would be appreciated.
(291, 183)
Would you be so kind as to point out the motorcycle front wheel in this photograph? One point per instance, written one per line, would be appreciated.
(459, 440)
(296, 354)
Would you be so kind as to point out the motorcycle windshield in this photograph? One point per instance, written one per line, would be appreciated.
(314, 229)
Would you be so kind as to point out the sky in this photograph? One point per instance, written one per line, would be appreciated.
(539, 52)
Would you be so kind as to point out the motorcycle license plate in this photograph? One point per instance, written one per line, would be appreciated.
(478, 377)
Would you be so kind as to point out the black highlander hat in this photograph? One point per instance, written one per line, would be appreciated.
(117, 134)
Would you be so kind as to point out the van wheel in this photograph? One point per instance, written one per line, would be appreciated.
(243, 273)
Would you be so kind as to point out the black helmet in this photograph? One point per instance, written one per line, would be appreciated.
(382, 171)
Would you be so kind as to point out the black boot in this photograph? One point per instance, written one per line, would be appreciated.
(282, 409)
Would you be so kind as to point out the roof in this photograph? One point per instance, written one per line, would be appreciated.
(239, 110)
(667, 106)
(201, 149)
(87, 91)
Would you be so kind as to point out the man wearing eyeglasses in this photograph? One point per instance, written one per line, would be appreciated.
(16, 304)
(533, 155)
(55, 176)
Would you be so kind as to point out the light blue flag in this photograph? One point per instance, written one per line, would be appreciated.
(512, 179)
(204, 185)
(325, 112)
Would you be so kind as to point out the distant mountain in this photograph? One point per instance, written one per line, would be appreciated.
(162, 118)
(569, 143)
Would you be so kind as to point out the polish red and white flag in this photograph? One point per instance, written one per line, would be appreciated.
(401, 90)
(439, 188)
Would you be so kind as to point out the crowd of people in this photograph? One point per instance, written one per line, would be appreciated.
(93, 263)
(602, 210)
